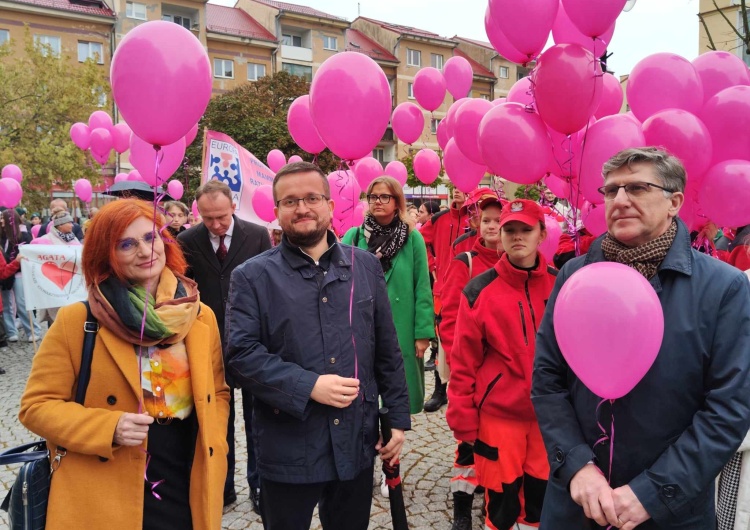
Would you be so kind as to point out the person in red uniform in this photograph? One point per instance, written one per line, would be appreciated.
(492, 358)
(465, 242)
(463, 268)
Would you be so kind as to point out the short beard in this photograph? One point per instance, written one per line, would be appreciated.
(308, 239)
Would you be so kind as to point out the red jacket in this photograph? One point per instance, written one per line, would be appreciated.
(456, 279)
(493, 351)
(465, 242)
(439, 233)
(7, 270)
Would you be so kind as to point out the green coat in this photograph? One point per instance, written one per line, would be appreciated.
(408, 282)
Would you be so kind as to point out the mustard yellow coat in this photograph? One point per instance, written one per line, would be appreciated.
(99, 486)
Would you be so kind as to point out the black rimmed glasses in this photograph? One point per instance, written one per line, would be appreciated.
(130, 244)
(311, 201)
(383, 199)
(634, 190)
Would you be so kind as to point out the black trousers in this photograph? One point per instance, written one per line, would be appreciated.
(344, 505)
(252, 466)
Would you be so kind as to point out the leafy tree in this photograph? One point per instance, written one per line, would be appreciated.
(741, 30)
(531, 191)
(254, 115)
(41, 96)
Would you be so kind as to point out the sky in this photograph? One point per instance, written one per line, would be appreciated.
(651, 26)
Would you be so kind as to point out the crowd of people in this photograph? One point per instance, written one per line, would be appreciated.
(320, 330)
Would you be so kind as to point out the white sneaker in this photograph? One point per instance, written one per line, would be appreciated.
(12, 338)
(383, 486)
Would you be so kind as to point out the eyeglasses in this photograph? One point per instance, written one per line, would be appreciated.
(384, 199)
(130, 244)
(634, 190)
(312, 201)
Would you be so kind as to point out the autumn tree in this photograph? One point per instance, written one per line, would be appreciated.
(41, 95)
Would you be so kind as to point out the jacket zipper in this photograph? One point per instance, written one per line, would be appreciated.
(523, 323)
(489, 389)
(25, 497)
(531, 307)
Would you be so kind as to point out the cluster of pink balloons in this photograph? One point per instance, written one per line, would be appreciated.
(348, 210)
(11, 191)
(100, 136)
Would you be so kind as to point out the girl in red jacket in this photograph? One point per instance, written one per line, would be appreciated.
(492, 357)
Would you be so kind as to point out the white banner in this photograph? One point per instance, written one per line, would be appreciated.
(52, 275)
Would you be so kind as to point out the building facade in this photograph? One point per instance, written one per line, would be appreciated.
(718, 27)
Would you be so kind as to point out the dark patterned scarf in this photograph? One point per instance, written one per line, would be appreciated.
(385, 241)
(645, 258)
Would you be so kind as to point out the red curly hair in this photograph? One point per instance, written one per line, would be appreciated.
(106, 228)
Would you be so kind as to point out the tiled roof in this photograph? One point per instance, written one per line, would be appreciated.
(83, 7)
(356, 41)
(477, 68)
(479, 43)
(295, 8)
(235, 21)
(405, 30)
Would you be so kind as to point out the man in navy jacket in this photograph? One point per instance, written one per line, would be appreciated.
(310, 333)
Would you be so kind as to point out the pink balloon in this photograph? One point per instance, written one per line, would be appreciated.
(584, 331)
(429, 88)
(499, 101)
(662, 81)
(100, 120)
(301, 127)
(12, 171)
(725, 194)
(398, 171)
(593, 18)
(565, 32)
(526, 154)
(121, 177)
(466, 127)
(101, 142)
(594, 218)
(367, 170)
(161, 81)
(726, 116)
(83, 189)
(350, 102)
(294, 159)
(345, 193)
(500, 42)
(143, 157)
(426, 166)
(81, 135)
(604, 139)
(408, 122)
(692, 211)
(121, 137)
(682, 135)
(459, 76)
(719, 70)
(194, 209)
(549, 245)
(526, 23)
(566, 152)
(191, 134)
(276, 160)
(263, 204)
(557, 186)
(175, 189)
(442, 135)
(35, 230)
(463, 173)
(612, 97)
(10, 193)
(135, 176)
(39, 241)
(450, 116)
(521, 92)
(568, 87)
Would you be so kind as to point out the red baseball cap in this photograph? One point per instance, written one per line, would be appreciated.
(528, 212)
(475, 197)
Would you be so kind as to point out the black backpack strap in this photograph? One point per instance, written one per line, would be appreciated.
(90, 328)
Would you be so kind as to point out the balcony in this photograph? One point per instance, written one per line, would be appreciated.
(296, 53)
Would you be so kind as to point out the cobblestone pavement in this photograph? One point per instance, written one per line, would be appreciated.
(425, 467)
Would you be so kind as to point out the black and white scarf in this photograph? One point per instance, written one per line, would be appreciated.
(385, 241)
(65, 236)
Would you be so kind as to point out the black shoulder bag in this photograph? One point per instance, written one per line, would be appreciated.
(26, 502)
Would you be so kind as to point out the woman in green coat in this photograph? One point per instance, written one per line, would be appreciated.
(403, 256)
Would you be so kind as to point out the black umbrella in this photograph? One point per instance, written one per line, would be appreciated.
(393, 477)
(136, 189)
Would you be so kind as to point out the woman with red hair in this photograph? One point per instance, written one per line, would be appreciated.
(156, 405)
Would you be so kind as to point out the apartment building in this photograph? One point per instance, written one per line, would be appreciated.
(719, 24)
(506, 73)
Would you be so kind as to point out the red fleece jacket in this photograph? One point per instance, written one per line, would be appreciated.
(7, 270)
(439, 233)
(493, 351)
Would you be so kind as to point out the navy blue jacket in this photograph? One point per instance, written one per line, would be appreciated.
(288, 323)
(681, 423)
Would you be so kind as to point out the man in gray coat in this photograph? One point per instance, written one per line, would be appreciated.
(687, 416)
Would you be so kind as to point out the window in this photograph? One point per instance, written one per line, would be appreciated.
(185, 22)
(224, 68)
(413, 57)
(485, 97)
(330, 43)
(255, 71)
(291, 40)
(410, 90)
(101, 96)
(298, 69)
(48, 43)
(90, 50)
(135, 10)
(434, 125)
(4, 36)
(503, 72)
(379, 155)
(436, 61)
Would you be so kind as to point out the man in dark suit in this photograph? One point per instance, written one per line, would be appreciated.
(213, 249)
